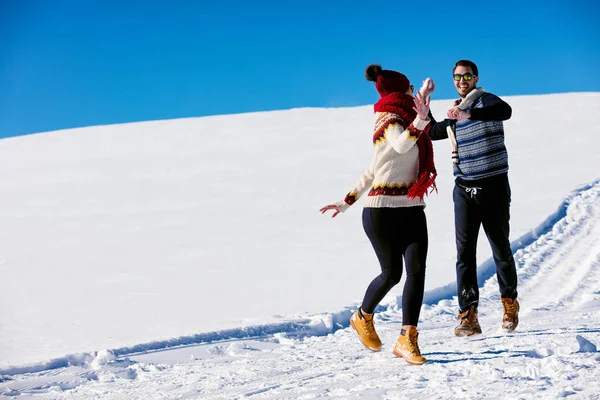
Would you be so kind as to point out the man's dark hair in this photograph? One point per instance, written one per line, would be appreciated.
(467, 63)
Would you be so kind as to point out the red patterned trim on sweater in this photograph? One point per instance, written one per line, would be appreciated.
(413, 132)
(351, 198)
(390, 190)
(384, 121)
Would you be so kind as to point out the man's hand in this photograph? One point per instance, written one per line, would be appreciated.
(427, 88)
(457, 113)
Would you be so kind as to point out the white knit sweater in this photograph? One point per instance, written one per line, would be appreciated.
(394, 167)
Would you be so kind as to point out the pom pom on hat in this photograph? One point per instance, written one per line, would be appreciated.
(372, 72)
(387, 81)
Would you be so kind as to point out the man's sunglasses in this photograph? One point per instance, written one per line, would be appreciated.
(467, 77)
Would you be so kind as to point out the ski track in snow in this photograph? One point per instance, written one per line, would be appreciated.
(553, 353)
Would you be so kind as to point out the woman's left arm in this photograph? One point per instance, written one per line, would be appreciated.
(402, 140)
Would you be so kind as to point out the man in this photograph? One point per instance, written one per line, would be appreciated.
(481, 193)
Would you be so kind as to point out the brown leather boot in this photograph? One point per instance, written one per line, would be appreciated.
(468, 324)
(363, 325)
(510, 320)
(407, 347)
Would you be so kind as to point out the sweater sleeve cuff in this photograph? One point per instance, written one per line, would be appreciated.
(420, 124)
(342, 205)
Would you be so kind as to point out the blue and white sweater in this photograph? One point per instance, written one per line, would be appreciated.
(480, 150)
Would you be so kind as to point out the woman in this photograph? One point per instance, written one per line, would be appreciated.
(400, 174)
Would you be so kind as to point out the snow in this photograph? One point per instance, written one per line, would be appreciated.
(187, 259)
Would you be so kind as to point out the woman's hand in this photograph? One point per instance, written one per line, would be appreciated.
(330, 207)
(422, 106)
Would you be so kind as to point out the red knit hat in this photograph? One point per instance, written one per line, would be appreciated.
(387, 81)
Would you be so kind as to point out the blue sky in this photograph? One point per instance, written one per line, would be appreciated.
(66, 64)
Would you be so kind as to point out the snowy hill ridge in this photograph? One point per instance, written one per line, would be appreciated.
(194, 234)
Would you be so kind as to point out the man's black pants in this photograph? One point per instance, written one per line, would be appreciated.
(485, 205)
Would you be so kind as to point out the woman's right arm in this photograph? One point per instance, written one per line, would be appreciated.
(364, 183)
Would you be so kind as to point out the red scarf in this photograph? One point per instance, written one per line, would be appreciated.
(402, 105)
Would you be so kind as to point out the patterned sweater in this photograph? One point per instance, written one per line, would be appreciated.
(394, 167)
(480, 139)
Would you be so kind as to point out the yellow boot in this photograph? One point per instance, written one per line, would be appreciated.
(407, 347)
(510, 320)
(363, 325)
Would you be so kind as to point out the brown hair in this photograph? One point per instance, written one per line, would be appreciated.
(467, 63)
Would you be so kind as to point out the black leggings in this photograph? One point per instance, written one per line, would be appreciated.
(397, 233)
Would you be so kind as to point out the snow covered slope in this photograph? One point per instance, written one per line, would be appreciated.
(206, 231)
